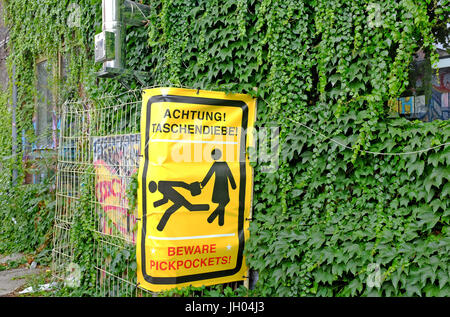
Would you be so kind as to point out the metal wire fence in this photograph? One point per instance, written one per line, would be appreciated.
(99, 139)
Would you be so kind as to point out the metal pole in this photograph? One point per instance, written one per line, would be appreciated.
(116, 15)
(14, 127)
(112, 22)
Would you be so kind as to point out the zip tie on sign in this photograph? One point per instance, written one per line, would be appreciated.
(370, 152)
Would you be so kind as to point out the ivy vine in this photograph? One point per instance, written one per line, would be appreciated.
(328, 215)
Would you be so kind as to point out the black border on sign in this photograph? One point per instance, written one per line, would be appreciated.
(210, 102)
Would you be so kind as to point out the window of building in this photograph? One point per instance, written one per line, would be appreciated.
(42, 156)
(44, 108)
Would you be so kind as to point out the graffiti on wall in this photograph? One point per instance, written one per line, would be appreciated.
(417, 107)
(116, 158)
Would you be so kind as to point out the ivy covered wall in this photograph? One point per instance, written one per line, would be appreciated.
(334, 219)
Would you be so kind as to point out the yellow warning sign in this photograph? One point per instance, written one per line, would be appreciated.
(195, 187)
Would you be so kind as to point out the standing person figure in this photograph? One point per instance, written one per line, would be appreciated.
(220, 194)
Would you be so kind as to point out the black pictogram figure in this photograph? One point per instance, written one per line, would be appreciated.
(169, 193)
(220, 192)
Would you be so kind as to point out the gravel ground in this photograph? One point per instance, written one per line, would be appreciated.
(13, 279)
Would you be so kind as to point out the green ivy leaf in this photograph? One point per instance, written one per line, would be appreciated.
(323, 276)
